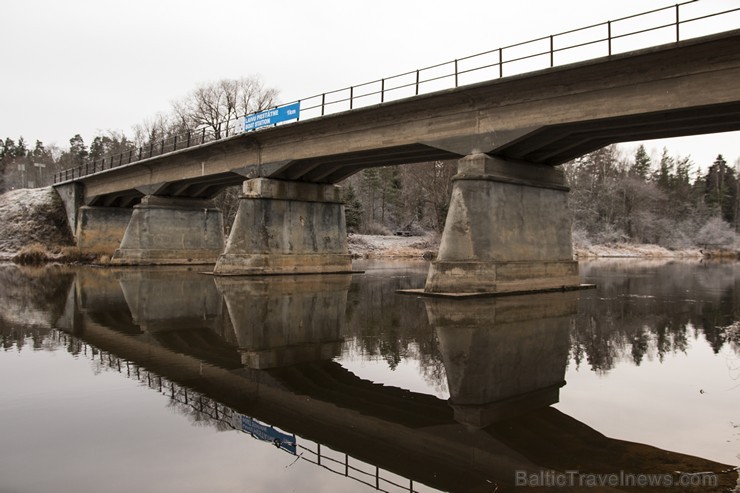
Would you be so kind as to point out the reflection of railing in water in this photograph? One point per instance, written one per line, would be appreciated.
(224, 417)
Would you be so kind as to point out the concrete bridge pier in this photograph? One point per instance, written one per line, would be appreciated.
(285, 227)
(170, 231)
(507, 230)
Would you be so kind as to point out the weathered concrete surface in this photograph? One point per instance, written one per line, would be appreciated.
(101, 229)
(287, 228)
(505, 356)
(286, 320)
(72, 195)
(507, 230)
(172, 231)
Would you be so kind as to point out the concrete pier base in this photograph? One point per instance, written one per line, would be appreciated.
(284, 227)
(101, 229)
(507, 231)
(169, 231)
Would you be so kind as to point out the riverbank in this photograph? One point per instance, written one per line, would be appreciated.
(33, 229)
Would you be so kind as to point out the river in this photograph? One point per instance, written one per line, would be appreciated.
(169, 379)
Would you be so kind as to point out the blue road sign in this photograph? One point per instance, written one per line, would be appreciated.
(272, 116)
(267, 433)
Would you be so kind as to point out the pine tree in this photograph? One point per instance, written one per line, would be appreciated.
(721, 189)
(352, 209)
(642, 164)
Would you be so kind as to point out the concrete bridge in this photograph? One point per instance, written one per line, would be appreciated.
(507, 228)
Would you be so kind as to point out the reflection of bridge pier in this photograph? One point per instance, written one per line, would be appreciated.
(286, 320)
(503, 357)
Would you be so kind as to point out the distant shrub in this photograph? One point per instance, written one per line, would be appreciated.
(716, 233)
(73, 255)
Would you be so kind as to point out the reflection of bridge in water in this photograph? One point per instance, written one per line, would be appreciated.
(246, 347)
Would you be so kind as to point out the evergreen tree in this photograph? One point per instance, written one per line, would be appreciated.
(352, 209)
(721, 189)
(641, 166)
(77, 150)
(664, 175)
(21, 150)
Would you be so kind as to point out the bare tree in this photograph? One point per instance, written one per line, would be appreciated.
(211, 105)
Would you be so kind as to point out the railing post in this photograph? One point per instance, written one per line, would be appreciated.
(382, 90)
(500, 63)
(151, 148)
(455, 72)
(203, 137)
(120, 159)
(552, 51)
(417, 81)
(609, 36)
(130, 155)
(678, 24)
(351, 95)
(188, 143)
(140, 149)
(323, 102)
(174, 143)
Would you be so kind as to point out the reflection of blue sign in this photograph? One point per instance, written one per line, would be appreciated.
(268, 434)
(271, 117)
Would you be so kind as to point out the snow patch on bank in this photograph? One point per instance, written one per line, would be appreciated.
(29, 216)
(630, 250)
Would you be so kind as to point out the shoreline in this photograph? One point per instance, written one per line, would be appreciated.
(379, 247)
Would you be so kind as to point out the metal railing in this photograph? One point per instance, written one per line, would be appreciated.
(224, 417)
(584, 43)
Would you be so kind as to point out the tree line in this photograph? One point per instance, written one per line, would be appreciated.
(667, 201)
(206, 107)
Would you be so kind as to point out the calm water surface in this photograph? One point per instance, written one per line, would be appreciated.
(171, 380)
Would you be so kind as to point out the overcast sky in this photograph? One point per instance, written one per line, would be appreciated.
(87, 66)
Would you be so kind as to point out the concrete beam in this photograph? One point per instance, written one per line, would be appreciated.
(507, 230)
(284, 227)
(172, 231)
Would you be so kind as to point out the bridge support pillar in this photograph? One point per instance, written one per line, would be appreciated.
(168, 231)
(507, 230)
(284, 227)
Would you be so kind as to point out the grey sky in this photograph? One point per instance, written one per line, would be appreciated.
(86, 66)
